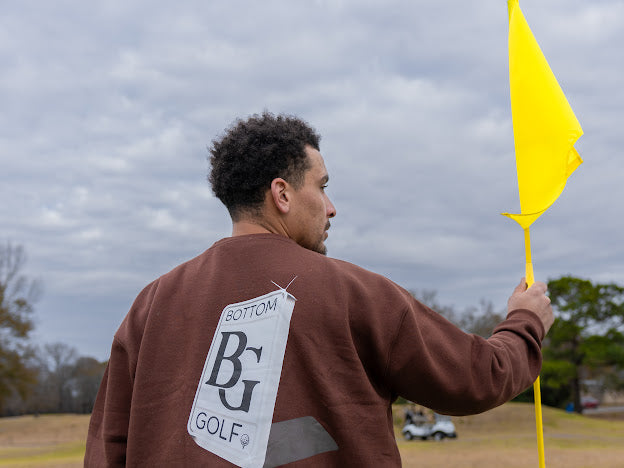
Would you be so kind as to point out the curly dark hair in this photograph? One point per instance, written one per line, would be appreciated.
(252, 153)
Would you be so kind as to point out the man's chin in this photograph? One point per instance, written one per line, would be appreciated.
(318, 248)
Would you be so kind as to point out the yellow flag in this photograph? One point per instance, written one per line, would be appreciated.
(545, 127)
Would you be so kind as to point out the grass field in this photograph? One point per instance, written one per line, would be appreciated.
(503, 437)
(506, 437)
(43, 441)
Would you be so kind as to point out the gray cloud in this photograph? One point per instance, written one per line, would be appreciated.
(108, 110)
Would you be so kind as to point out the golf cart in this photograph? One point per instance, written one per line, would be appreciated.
(442, 427)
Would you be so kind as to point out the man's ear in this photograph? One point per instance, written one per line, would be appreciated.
(280, 194)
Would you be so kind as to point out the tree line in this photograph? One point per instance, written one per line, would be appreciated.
(584, 350)
(37, 379)
(585, 343)
(62, 382)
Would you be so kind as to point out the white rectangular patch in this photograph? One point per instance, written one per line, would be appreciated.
(233, 407)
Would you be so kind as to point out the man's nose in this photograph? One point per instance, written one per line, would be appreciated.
(331, 209)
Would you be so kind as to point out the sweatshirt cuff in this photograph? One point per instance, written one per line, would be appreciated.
(526, 319)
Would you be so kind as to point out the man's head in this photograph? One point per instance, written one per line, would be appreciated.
(268, 170)
(252, 153)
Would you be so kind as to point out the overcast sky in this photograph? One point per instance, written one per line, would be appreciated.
(108, 108)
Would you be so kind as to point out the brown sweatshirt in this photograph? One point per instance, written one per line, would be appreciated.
(356, 342)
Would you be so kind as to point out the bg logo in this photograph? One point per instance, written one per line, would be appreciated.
(233, 408)
(237, 369)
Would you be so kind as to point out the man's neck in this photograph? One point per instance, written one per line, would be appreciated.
(242, 228)
(268, 222)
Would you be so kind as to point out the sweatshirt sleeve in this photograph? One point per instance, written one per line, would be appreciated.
(108, 428)
(437, 365)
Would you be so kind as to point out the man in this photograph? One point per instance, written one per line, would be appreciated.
(262, 351)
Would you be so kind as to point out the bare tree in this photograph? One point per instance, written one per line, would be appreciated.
(87, 376)
(56, 368)
(479, 320)
(18, 293)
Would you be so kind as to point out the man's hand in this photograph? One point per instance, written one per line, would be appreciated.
(533, 299)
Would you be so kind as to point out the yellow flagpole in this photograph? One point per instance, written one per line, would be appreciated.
(538, 422)
(537, 394)
(545, 154)
(530, 279)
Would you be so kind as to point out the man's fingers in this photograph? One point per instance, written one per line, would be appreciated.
(539, 287)
(533, 299)
(521, 287)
